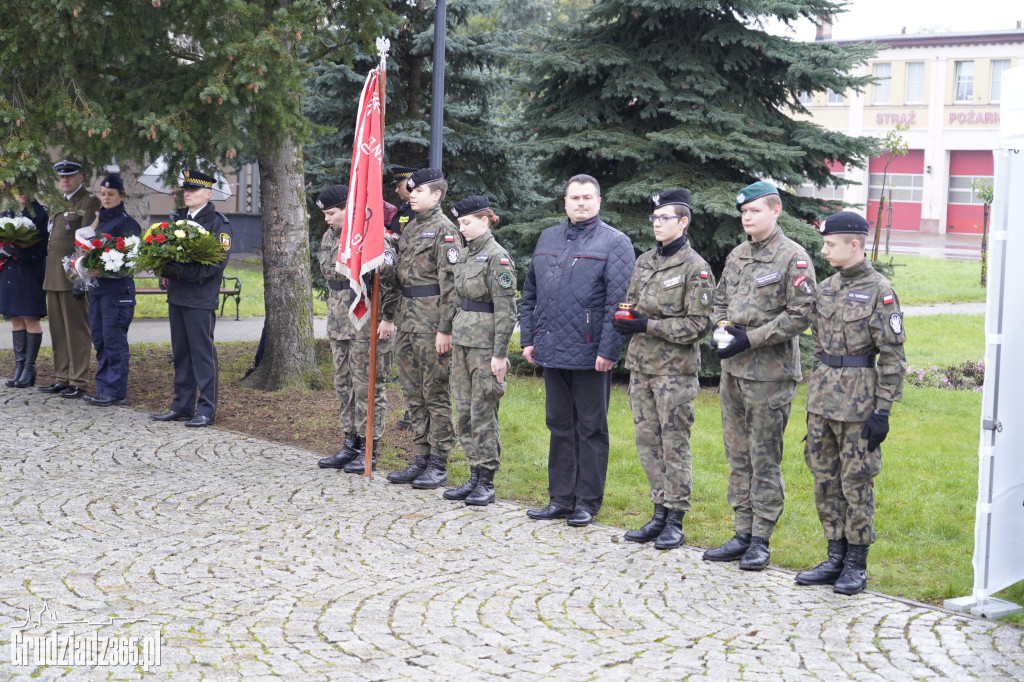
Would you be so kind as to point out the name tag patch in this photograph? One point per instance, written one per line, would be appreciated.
(482, 258)
(770, 278)
(672, 282)
(861, 296)
(428, 235)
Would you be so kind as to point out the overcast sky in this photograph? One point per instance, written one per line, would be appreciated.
(867, 18)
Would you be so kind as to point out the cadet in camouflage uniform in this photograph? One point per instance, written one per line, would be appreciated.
(485, 285)
(765, 294)
(350, 348)
(856, 318)
(427, 253)
(672, 292)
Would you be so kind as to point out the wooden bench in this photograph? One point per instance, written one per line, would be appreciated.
(226, 290)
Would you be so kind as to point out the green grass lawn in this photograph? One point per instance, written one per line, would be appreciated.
(920, 280)
(944, 340)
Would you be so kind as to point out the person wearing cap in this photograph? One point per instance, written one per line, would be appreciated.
(763, 300)
(193, 292)
(350, 347)
(401, 175)
(858, 374)
(112, 302)
(68, 308)
(578, 275)
(427, 253)
(485, 285)
(22, 299)
(672, 292)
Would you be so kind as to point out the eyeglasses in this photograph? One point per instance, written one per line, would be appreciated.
(655, 219)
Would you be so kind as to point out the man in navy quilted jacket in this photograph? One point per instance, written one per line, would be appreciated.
(578, 275)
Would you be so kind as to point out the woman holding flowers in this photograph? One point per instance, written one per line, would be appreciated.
(22, 299)
(112, 300)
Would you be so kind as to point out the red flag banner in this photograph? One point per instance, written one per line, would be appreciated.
(361, 247)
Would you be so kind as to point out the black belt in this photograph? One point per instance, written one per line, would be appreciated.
(848, 360)
(477, 306)
(419, 292)
(339, 285)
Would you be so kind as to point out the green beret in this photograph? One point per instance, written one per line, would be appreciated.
(755, 191)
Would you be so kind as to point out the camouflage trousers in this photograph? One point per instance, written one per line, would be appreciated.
(352, 384)
(477, 395)
(844, 473)
(754, 418)
(424, 376)
(662, 417)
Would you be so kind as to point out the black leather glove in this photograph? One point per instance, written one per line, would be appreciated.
(876, 429)
(739, 343)
(78, 290)
(638, 325)
(172, 269)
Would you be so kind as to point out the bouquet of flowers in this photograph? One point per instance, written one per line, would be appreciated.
(19, 231)
(182, 241)
(103, 256)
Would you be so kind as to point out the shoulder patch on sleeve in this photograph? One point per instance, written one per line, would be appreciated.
(799, 280)
(225, 241)
(887, 299)
(505, 280)
(896, 323)
(505, 261)
(449, 237)
(389, 258)
(802, 264)
(453, 255)
(704, 274)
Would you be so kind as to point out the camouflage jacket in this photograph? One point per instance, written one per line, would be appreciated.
(485, 273)
(856, 312)
(676, 295)
(427, 252)
(67, 216)
(339, 325)
(767, 288)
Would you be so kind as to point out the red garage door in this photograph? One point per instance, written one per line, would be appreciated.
(964, 211)
(906, 180)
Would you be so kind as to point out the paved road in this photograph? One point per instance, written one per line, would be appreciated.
(252, 562)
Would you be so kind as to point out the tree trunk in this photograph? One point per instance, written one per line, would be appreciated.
(136, 199)
(288, 357)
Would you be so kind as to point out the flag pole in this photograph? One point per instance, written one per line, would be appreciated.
(383, 45)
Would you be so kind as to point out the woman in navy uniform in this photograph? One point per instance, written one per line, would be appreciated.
(22, 299)
(112, 303)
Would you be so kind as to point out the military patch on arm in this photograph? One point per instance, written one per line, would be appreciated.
(896, 323)
(704, 297)
(453, 255)
(803, 284)
(505, 280)
(389, 258)
(225, 241)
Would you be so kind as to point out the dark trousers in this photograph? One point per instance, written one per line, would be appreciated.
(109, 320)
(195, 359)
(577, 417)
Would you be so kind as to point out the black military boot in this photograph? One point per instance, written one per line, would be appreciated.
(405, 423)
(651, 529)
(757, 555)
(730, 551)
(828, 570)
(854, 577)
(28, 372)
(411, 472)
(349, 451)
(483, 494)
(18, 338)
(358, 464)
(434, 476)
(463, 491)
(672, 536)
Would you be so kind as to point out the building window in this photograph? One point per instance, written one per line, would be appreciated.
(805, 98)
(998, 66)
(881, 87)
(915, 82)
(960, 191)
(827, 192)
(905, 187)
(835, 97)
(963, 87)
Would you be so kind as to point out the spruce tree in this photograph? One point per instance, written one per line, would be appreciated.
(647, 95)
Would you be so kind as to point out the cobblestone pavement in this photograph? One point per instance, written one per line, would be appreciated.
(253, 562)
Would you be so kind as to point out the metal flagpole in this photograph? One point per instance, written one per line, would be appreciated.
(383, 45)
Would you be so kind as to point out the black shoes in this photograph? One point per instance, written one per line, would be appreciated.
(672, 535)
(651, 529)
(72, 392)
(483, 494)
(731, 550)
(579, 517)
(434, 476)
(349, 451)
(829, 570)
(199, 421)
(757, 555)
(358, 463)
(854, 577)
(55, 387)
(104, 400)
(463, 491)
(548, 513)
(411, 472)
(170, 416)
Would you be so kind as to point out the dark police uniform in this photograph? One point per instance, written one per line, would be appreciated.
(111, 309)
(405, 213)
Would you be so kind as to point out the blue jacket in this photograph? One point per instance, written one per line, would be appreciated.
(577, 277)
(21, 275)
(117, 223)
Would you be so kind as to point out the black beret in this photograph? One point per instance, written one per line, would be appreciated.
(846, 222)
(672, 197)
(470, 205)
(424, 176)
(399, 173)
(193, 179)
(332, 197)
(67, 167)
(113, 181)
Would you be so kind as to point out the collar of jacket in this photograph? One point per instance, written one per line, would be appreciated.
(107, 214)
(576, 229)
(673, 247)
(429, 213)
(477, 245)
(765, 249)
(857, 270)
